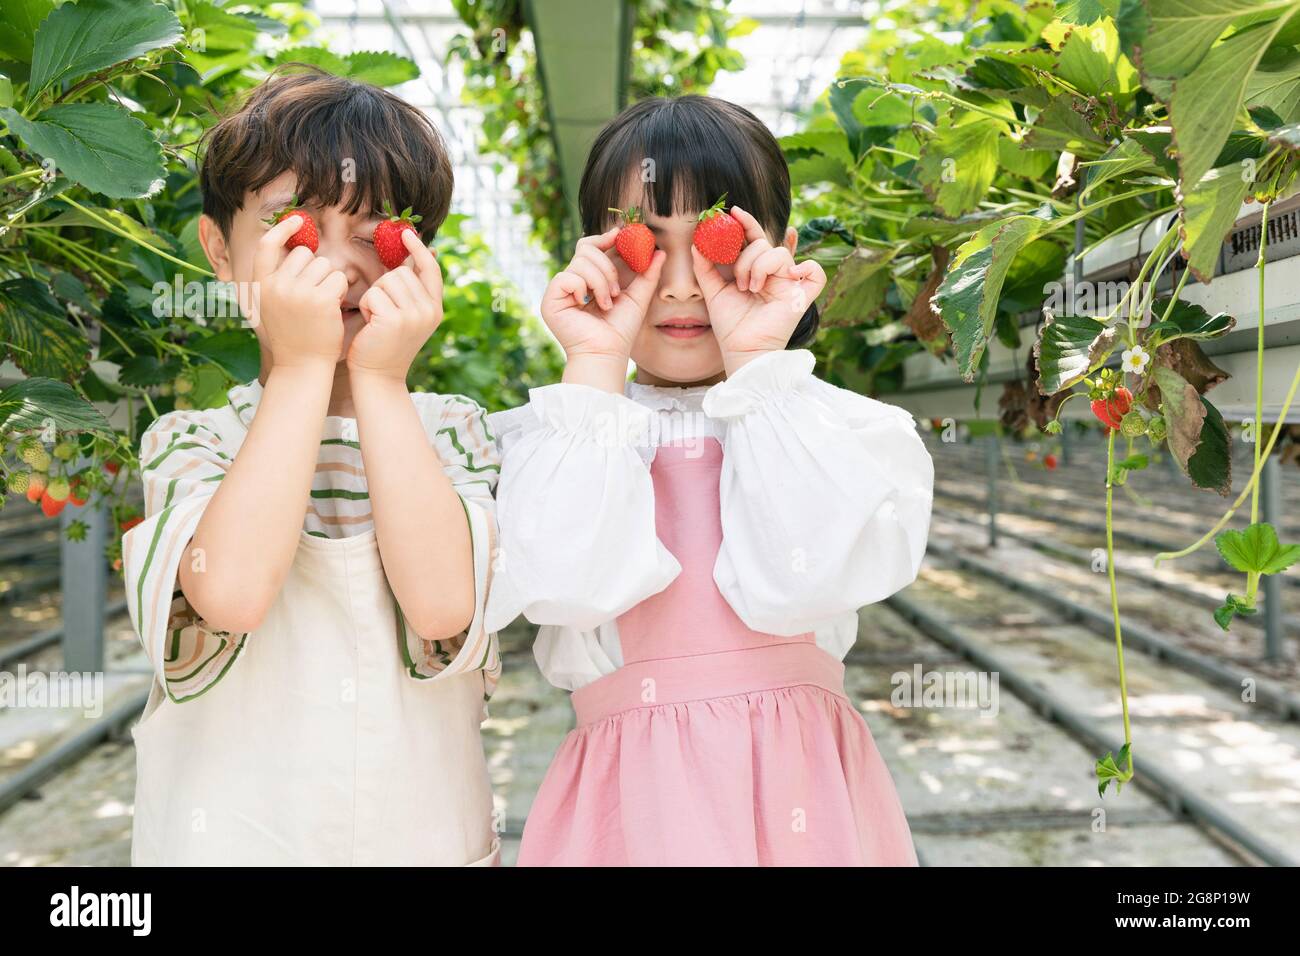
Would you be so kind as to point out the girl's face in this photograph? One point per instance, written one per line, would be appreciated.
(676, 345)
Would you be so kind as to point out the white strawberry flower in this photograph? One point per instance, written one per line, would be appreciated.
(1135, 359)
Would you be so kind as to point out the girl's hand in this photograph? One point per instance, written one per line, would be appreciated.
(759, 309)
(587, 311)
(297, 297)
(402, 309)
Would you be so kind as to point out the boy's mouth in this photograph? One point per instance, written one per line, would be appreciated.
(681, 327)
(350, 311)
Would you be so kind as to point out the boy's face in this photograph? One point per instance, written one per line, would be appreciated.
(676, 343)
(344, 240)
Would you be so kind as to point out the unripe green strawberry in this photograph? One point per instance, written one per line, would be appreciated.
(39, 459)
(58, 488)
(65, 450)
(183, 384)
(17, 482)
(1133, 424)
(1157, 428)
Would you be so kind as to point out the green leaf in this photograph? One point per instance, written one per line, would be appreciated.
(1205, 102)
(1208, 213)
(968, 296)
(1210, 467)
(234, 350)
(958, 164)
(857, 290)
(100, 146)
(125, 223)
(381, 68)
(220, 30)
(35, 331)
(1086, 11)
(1068, 347)
(80, 38)
(1125, 159)
(1275, 85)
(1172, 37)
(1108, 771)
(1187, 321)
(141, 371)
(33, 403)
(1090, 61)
(21, 18)
(1061, 127)
(1232, 606)
(1257, 549)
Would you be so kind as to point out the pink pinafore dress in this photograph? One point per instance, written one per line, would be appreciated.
(713, 744)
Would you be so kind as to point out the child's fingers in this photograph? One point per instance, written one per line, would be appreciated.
(772, 262)
(595, 281)
(603, 242)
(564, 290)
(336, 284)
(376, 303)
(748, 256)
(395, 284)
(314, 271)
(296, 261)
(753, 228)
(423, 263)
(707, 275)
(811, 272)
(417, 296)
(602, 262)
(642, 289)
(270, 248)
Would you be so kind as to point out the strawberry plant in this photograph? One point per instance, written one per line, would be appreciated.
(104, 305)
(967, 151)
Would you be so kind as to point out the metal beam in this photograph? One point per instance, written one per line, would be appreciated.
(582, 59)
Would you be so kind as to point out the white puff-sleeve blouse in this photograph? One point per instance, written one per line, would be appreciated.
(825, 497)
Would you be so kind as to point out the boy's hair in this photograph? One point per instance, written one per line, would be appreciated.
(700, 147)
(312, 122)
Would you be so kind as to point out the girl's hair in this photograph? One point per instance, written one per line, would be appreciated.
(688, 151)
(312, 122)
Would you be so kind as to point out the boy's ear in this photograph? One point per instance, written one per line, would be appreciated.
(215, 248)
(791, 238)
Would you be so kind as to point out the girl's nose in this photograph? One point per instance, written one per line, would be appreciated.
(677, 282)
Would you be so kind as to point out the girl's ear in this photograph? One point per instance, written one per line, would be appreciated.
(215, 248)
(791, 238)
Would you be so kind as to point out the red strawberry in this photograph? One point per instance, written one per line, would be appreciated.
(112, 467)
(635, 242)
(50, 506)
(35, 486)
(128, 523)
(388, 236)
(718, 235)
(78, 493)
(1109, 411)
(1049, 461)
(306, 234)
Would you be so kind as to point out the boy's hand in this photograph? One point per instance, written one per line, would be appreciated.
(594, 320)
(297, 297)
(402, 309)
(758, 311)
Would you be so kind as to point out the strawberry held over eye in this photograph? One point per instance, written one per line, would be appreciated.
(306, 234)
(718, 235)
(388, 236)
(635, 242)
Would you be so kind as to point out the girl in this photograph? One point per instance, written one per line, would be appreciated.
(696, 542)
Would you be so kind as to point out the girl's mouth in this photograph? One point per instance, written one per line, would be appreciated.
(683, 328)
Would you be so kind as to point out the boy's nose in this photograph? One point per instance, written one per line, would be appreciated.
(343, 255)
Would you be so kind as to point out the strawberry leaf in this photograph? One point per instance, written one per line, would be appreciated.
(1256, 549)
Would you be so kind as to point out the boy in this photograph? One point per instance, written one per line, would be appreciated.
(310, 580)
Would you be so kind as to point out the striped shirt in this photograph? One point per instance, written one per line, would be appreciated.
(183, 457)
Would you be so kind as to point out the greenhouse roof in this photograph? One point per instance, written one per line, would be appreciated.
(788, 63)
